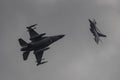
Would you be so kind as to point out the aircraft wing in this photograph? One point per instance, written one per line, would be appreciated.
(97, 30)
(32, 34)
(38, 56)
(99, 33)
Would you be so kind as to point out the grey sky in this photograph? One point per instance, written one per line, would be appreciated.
(76, 56)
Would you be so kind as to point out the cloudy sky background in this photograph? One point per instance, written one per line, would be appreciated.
(76, 56)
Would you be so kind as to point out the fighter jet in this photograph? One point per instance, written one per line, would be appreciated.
(95, 31)
(39, 43)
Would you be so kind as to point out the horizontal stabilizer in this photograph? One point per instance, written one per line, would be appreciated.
(25, 55)
(22, 42)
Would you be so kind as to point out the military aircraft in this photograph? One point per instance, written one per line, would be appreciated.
(95, 31)
(39, 43)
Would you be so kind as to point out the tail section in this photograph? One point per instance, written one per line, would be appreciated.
(22, 42)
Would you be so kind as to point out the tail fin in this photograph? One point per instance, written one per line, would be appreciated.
(22, 42)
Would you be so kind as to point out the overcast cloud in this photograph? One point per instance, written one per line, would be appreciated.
(76, 56)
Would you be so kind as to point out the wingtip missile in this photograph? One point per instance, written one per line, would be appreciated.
(30, 27)
(39, 63)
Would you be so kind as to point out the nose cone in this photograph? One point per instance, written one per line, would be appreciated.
(61, 36)
(55, 38)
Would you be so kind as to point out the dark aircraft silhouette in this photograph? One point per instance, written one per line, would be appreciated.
(39, 43)
(95, 31)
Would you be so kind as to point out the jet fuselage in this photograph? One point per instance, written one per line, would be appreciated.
(93, 28)
(95, 31)
(41, 44)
